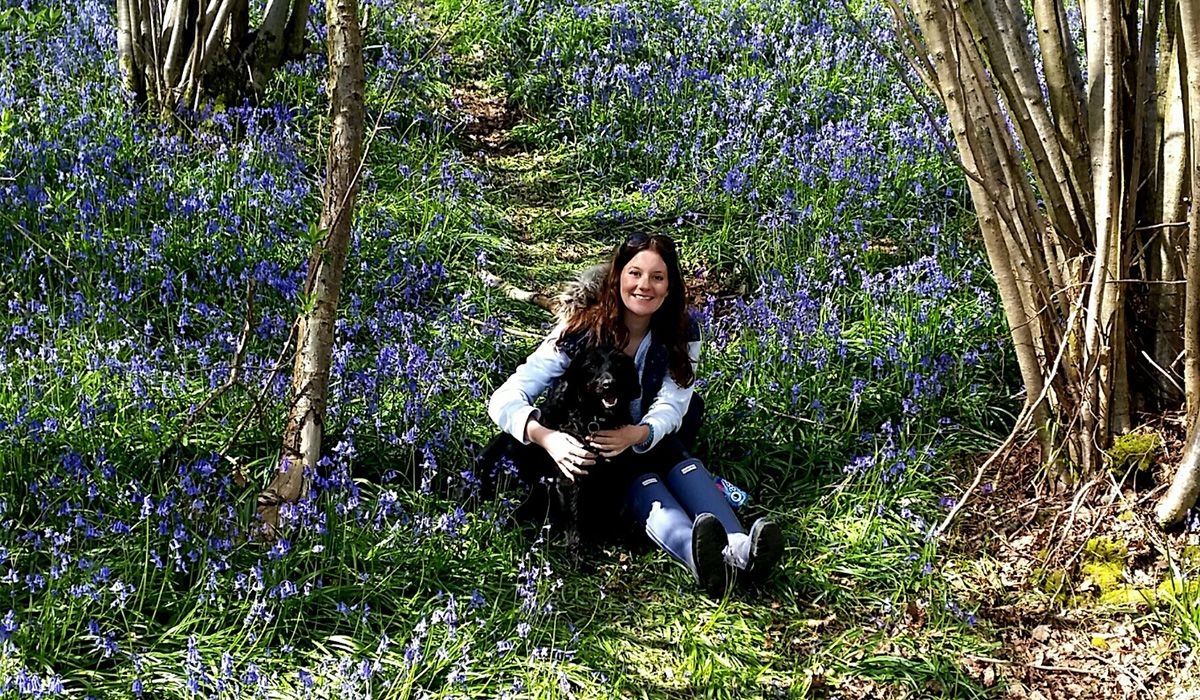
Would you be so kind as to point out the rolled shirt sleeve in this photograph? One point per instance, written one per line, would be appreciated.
(666, 412)
(511, 405)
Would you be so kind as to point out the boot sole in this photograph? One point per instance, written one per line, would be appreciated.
(766, 548)
(708, 554)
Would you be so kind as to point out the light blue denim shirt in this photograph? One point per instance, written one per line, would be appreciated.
(511, 406)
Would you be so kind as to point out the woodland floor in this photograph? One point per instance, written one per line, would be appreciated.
(1069, 623)
(1025, 553)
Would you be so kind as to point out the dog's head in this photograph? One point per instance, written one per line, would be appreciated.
(605, 378)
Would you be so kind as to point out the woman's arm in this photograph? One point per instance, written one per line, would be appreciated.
(666, 412)
(511, 405)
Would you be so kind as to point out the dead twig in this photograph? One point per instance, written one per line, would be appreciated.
(514, 292)
(1068, 669)
(789, 416)
(277, 367)
(1022, 423)
(235, 367)
(1043, 667)
(1121, 670)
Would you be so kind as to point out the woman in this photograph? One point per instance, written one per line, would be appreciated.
(642, 309)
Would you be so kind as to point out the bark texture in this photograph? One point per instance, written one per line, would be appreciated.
(175, 53)
(310, 377)
(1186, 484)
(1096, 257)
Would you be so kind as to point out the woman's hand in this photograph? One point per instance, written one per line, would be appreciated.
(569, 454)
(610, 443)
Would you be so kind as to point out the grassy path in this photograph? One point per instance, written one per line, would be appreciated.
(643, 629)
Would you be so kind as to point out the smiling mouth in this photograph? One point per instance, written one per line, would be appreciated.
(609, 402)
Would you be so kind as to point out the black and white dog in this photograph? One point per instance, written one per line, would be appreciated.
(593, 394)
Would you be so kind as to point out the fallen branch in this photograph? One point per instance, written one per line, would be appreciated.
(513, 292)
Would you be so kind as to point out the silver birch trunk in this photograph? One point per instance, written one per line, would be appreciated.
(310, 378)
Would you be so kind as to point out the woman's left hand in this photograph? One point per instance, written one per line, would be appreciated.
(610, 443)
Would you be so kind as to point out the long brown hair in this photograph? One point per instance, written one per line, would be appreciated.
(604, 321)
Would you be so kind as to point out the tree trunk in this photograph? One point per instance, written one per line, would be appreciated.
(1172, 509)
(180, 52)
(1064, 84)
(1189, 34)
(131, 79)
(1112, 172)
(1186, 484)
(1167, 298)
(294, 35)
(310, 378)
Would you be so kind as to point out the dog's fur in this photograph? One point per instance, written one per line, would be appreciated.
(593, 394)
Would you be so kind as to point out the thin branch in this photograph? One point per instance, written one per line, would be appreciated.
(1155, 227)
(1022, 424)
(923, 71)
(29, 237)
(235, 366)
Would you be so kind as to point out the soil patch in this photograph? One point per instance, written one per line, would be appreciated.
(486, 118)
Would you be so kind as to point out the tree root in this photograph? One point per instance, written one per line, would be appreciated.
(1186, 484)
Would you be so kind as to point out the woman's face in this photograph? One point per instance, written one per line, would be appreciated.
(644, 283)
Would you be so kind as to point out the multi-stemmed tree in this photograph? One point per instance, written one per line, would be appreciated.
(174, 52)
(1081, 151)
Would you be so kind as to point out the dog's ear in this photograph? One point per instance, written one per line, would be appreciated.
(575, 378)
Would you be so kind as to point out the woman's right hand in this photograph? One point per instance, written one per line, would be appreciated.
(568, 453)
